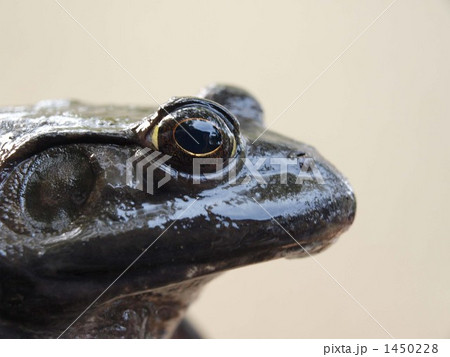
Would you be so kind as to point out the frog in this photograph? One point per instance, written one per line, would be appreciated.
(90, 250)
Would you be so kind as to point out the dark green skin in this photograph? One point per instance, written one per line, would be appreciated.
(48, 276)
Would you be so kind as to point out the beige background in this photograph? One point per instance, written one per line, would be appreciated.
(381, 113)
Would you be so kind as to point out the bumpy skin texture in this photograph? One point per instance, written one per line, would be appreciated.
(50, 273)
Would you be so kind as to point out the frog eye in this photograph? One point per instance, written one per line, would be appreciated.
(51, 188)
(189, 128)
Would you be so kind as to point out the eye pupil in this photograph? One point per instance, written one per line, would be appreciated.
(198, 136)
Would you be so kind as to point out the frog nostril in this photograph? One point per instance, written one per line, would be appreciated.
(295, 154)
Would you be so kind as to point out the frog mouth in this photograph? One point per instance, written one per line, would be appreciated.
(162, 264)
(194, 246)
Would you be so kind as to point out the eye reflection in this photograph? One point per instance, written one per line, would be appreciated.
(197, 136)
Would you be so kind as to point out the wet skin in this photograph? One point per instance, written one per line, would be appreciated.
(70, 223)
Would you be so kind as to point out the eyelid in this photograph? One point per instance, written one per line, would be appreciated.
(148, 128)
